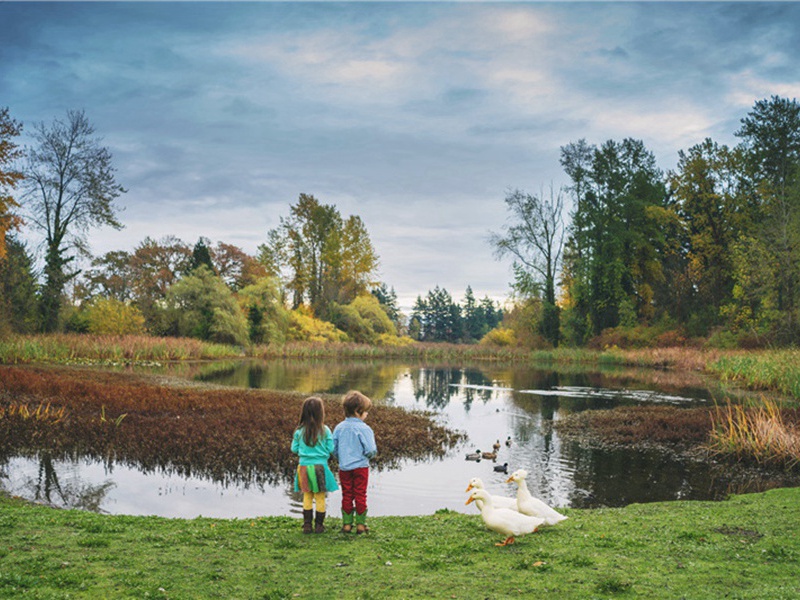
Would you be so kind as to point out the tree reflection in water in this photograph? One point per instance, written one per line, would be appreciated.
(62, 492)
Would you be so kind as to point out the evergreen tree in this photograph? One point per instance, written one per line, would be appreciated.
(771, 138)
(17, 289)
(616, 239)
(201, 256)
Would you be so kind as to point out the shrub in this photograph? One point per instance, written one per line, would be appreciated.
(349, 320)
(304, 327)
(267, 318)
(374, 314)
(500, 336)
(108, 316)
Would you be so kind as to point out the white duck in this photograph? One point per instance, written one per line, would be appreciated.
(502, 520)
(529, 505)
(476, 483)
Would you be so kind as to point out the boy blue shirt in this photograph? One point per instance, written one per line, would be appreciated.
(353, 444)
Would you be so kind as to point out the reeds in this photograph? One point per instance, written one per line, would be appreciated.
(73, 348)
(764, 434)
(44, 412)
(774, 370)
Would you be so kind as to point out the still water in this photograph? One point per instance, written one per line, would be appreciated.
(489, 404)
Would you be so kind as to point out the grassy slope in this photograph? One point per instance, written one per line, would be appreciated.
(746, 547)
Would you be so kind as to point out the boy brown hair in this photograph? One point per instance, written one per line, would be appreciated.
(355, 403)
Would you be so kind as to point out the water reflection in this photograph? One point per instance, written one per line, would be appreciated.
(45, 480)
(489, 403)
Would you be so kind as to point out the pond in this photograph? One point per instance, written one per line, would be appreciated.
(488, 403)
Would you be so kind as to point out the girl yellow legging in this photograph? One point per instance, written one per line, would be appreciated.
(318, 498)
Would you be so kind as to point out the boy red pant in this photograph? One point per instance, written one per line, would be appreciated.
(354, 490)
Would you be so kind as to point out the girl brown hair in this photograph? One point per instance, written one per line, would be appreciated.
(312, 420)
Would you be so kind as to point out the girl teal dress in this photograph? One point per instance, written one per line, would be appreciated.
(313, 474)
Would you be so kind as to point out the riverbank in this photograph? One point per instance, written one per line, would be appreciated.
(745, 547)
(776, 370)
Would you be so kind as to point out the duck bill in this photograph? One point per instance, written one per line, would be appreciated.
(469, 487)
(510, 480)
(470, 499)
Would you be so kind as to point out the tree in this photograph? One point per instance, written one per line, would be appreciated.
(267, 318)
(17, 289)
(534, 236)
(616, 240)
(715, 207)
(201, 255)
(9, 177)
(771, 138)
(236, 268)
(154, 267)
(321, 258)
(388, 301)
(201, 306)
(69, 187)
(109, 316)
(359, 261)
(109, 276)
(438, 317)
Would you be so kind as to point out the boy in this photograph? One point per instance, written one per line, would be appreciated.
(354, 445)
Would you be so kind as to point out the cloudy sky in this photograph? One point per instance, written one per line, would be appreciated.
(417, 117)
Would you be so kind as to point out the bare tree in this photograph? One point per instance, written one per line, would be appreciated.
(69, 187)
(534, 236)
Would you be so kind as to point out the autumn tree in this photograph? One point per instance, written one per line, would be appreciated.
(155, 265)
(109, 316)
(9, 177)
(236, 268)
(320, 257)
(69, 187)
(714, 201)
(109, 276)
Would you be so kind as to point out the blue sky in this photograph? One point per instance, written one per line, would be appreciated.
(418, 117)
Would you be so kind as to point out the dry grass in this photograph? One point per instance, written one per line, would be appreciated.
(763, 434)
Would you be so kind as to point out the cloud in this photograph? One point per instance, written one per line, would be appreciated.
(415, 116)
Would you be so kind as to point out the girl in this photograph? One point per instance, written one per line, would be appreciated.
(313, 443)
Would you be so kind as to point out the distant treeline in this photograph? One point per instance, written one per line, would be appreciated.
(708, 251)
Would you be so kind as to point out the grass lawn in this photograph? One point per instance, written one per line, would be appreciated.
(745, 547)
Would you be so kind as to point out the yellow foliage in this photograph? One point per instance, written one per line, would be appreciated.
(388, 339)
(107, 316)
(304, 327)
(500, 336)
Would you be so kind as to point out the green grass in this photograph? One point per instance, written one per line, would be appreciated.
(768, 370)
(746, 547)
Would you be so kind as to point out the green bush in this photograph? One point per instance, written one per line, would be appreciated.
(201, 306)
